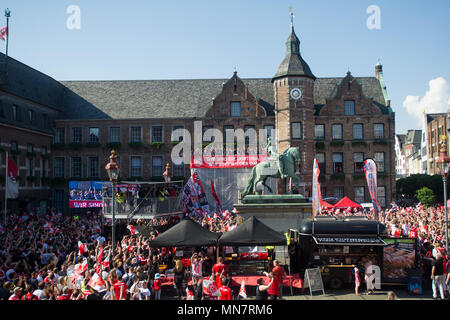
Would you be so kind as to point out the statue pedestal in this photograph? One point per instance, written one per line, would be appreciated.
(280, 212)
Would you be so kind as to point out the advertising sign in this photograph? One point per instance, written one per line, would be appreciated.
(398, 256)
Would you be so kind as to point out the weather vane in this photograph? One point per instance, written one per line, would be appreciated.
(291, 12)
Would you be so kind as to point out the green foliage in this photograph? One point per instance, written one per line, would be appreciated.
(425, 196)
(113, 145)
(58, 146)
(380, 142)
(357, 143)
(157, 145)
(75, 146)
(136, 144)
(93, 144)
(337, 143)
(338, 177)
(320, 145)
(408, 187)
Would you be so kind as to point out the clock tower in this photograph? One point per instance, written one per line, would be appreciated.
(293, 86)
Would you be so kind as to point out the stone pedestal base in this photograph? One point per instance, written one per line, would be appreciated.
(280, 212)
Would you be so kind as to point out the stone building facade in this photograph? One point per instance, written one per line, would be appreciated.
(339, 120)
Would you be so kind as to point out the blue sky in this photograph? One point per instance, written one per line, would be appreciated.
(207, 39)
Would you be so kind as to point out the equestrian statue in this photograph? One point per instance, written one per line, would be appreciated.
(278, 166)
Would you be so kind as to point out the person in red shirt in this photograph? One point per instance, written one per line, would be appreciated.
(225, 291)
(280, 275)
(65, 295)
(29, 295)
(120, 289)
(157, 286)
(219, 267)
(274, 290)
(17, 294)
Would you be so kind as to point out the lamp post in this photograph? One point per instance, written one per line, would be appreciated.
(113, 170)
(443, 164)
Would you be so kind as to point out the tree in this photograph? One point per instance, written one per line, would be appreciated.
(408, 186)
(425, 196)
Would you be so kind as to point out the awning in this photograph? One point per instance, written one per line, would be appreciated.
(349, 241)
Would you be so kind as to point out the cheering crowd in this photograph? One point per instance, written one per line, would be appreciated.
(55, 257)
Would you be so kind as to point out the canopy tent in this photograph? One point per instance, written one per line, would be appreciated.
(326, 205)
(252, 232)
(186, 233)
(345, 203)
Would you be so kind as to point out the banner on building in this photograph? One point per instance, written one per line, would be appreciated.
(228, 161)
(316, 192)
(370, 171)
(12, 187)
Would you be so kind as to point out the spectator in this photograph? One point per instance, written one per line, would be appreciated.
(261, 289)
(225, 291)
(280, 275)
(179, 274)
(437, 276)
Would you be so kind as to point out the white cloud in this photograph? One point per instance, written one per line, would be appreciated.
(435, 100)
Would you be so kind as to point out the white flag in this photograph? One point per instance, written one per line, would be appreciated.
(242, 291)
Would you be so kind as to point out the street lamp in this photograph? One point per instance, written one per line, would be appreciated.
(443, 165)
(113, 170)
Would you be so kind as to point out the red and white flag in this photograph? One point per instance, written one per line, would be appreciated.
(316, 192)
(216, 197)
(132, 229)
(370, 171)
(81, 248)
(242, 291)
(290, 185)
(12, 189)
(3, 33)
(210, 288)
(97, 283)
(99, 259)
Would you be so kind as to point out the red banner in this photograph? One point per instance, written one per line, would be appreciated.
(223, 162)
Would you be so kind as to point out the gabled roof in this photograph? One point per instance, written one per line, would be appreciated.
(137, 99)
(413, 137)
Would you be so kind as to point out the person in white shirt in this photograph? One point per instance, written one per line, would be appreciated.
(39, 292)
(196, 265)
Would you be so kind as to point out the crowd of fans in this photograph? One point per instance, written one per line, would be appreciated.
(55, 257)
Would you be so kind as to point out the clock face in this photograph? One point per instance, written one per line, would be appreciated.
(296, 93)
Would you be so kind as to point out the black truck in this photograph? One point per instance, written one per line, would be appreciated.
(338, 245)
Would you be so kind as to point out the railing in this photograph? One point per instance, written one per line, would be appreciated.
(140, 206)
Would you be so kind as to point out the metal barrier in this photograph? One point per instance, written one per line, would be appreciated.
(140, 206)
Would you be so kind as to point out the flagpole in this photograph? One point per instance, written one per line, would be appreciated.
(6, 186)
(7, 15)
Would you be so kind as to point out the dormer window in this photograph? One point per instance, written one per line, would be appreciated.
(349, 107)
(235, 108)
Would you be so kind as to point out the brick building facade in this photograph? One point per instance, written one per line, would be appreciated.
(339, 120)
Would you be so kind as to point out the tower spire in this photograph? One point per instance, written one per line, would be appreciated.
(291, 12)
(293, 63)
